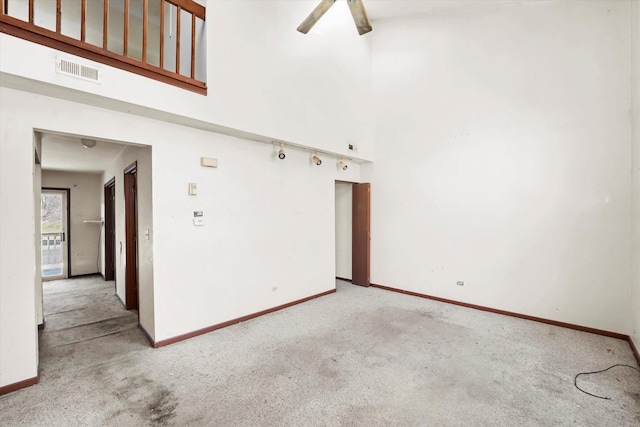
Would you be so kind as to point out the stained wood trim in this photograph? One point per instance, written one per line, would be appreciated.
(361, 234)
(178, 14)
(162, 5)
(145, 28)
(343, 279)
(87, 275)
(509, 313)
(41, 326)
(122, 302)
(131, 168)
(24, 30)
(17, 386)
(195, 333)
(83, 21)
(131, 236)
(191, 7)
(125, 35)
(5, 6)
(109, 226)
(105, 25)
(634, 348)
(59, 16)
(31, 9)
(146, 334)
(193, 46)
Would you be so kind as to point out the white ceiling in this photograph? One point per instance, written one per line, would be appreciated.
(387, 9)
(60, 152)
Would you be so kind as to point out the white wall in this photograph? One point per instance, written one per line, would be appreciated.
(502, 147)
(37, 222)
(18, 327)
(635, 56)
(269, 237)
(344, 219)
(263, 76)
(84, 204)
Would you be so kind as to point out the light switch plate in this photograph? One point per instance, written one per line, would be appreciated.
(193, 188)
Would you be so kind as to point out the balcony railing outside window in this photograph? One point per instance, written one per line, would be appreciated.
(161, 39)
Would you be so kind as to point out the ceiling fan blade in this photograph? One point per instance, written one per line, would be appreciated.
(360, 16)
(313, 17)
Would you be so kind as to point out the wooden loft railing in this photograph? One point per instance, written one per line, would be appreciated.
(160, 39)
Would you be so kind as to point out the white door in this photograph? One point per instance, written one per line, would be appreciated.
(54, 234)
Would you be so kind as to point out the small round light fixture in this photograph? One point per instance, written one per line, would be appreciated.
(88, 143)
(281, 154)
(315, 159)
(342, 165)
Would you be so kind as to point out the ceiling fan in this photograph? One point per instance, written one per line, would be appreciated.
(357, 11)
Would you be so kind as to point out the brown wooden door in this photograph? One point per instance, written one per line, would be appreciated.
(131, 231)
(361, 234)
(109, 229)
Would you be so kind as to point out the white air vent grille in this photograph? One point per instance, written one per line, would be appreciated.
(74, 69)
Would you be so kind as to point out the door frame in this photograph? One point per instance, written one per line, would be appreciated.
(131, 236)
(360, 233)
(67, 232)
(109, 230)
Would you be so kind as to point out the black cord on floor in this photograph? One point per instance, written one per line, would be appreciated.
(575, 380)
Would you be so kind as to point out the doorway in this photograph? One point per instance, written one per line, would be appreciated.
(131, 235)
(353, 235)
(110, 229)
(54, 241)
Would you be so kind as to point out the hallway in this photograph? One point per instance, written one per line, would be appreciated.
(85, 325)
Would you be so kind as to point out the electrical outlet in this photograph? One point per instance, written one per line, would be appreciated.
(460, 283)
(353, 147)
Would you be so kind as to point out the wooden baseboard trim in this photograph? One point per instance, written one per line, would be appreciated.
(509, 313)
(634, 348)
(120, 299)
(41, 326)
(188, 335)
(146, 334)
(79, 276)
(342, 278)
(17, 386)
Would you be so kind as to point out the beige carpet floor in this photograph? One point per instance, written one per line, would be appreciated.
(359, 357)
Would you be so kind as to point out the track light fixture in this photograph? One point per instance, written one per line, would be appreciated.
(315, 159)
(342, 165)
(281, 154)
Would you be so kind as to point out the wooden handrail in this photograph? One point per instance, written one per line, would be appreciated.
(55, 39)
(190, 6)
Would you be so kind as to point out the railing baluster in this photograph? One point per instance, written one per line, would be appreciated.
(84, 45)
(105, 25)
(125, 36)
(145, 27)
(162, 34)
(178, 39)
(58, 16)
(83, 21)
(193, 46)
